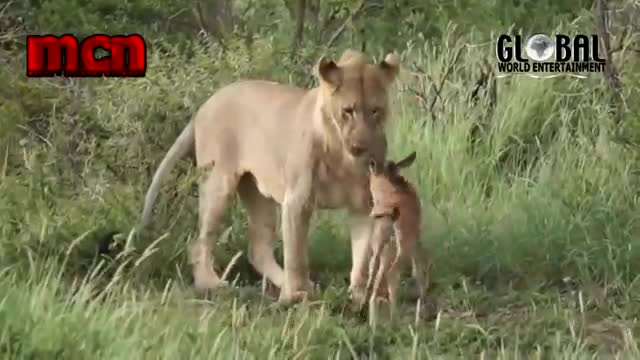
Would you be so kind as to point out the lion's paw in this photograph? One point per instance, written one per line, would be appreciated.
(210, 283)
(357, 294)
(293, 297)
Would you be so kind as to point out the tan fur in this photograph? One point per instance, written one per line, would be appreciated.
(280, 145)
(398, 213)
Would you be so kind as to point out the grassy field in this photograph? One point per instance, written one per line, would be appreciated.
(532, 217)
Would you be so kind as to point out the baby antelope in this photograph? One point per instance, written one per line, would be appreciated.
(397, 209)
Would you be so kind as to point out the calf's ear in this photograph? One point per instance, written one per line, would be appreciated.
(406, 162)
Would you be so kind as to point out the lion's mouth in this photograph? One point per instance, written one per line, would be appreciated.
(383, 214)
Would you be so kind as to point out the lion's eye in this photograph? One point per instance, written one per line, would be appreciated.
(376, 111)
(348, 111)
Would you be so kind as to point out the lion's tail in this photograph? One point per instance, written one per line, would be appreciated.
(183, 145)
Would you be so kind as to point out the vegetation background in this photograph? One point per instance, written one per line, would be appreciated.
(532, 184)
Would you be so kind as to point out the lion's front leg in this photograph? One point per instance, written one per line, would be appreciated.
(361, 232)
(296, 215)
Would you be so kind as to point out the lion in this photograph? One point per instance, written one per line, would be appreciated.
(299, 149)
(398, 214)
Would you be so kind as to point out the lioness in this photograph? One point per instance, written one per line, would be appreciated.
(398, 214)
(277, 144)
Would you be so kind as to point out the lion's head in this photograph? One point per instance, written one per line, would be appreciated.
(354, 102)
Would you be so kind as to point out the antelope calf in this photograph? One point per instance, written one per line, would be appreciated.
(398, 213)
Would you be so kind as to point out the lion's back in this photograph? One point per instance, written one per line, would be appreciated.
(249, 113)
(248, 126)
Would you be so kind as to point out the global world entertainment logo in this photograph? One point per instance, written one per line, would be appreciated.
(547, 56)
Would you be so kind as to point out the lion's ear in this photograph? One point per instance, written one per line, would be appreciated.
(391, 66)
(350, 55)
(329, 72)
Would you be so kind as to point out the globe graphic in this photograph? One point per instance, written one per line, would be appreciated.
(539, 47)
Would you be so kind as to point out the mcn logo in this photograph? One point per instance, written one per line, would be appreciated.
(49, 55)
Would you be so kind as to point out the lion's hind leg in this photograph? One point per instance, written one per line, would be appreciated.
(217, 190)
(263, 222)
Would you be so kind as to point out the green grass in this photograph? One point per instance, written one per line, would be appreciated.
(532, 226)
(47, 317)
